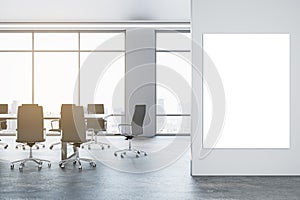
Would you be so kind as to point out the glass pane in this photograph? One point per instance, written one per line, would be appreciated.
(173, 41)
(102, 41)
(56, 41)
(15, 41)
(16, 81)
(173, 78)
(55, 79)
(16, 77)
(173, 124)
(255, 71)
(102, 80)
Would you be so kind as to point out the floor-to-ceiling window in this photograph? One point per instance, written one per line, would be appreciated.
(173, 80)
(44, 67)
(15, 67)
(102, 72)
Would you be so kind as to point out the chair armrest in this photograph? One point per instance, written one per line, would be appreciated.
(128, 125)
(52, 121)
(110, 115)
(124, 125)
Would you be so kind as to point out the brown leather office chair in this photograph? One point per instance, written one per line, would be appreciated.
(37, 145)
(3, 122)
(74, 132)
(57, 129)
(96, 126)
(30, 130)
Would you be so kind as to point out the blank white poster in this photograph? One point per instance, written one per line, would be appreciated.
(255, 72)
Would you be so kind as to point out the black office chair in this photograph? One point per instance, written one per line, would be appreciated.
(96, 126)
(74, 131)
(136, 129)
(30, 130)
(3, 122)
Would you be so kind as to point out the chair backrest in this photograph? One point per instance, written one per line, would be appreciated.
(95, 108)
(96, 124)
(64, 107)
(30, 125)
(73, 124)
(3, 110)
(138, 119)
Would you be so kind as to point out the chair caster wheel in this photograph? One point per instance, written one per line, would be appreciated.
(49, 165)
(51, 147)
(74, 162)
(93, 164)
(82, 147)
(80, 167)
(116, 154)
(137, 156)
(89, 148)
(20, 168)
(145, 154)
(16, 147)
(39, 166)
(36, 148)
(102, 148)
(122, 156)
(12, 166)
(5, 147)
(24, 148)
(138, 152)
(43, 146)
(61, 165)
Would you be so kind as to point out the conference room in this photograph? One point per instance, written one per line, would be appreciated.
(169, 99)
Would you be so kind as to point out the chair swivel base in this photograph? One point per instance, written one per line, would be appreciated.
(4, 145)
(101, 144)
(94, 140)
(75, 159)
(36, 160)
(24, 145)
(52, 145)
(23, 161)
(124, 152)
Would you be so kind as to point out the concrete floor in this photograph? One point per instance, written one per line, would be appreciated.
(108, 181)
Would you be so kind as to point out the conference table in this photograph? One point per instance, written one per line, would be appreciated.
(64, 150)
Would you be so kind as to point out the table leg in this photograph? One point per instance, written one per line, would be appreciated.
(64, 150)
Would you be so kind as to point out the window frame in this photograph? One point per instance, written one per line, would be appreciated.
(170, 51)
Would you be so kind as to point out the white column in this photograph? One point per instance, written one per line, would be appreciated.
(140, 76)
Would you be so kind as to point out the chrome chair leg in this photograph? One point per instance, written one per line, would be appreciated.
(123, 152)
(4, 145)
(75, 159)
(32, 159)
(94, 140)
(52, 145)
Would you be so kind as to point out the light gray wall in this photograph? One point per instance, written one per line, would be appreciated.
(244, 16)
(93, 10)
(140, 76)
